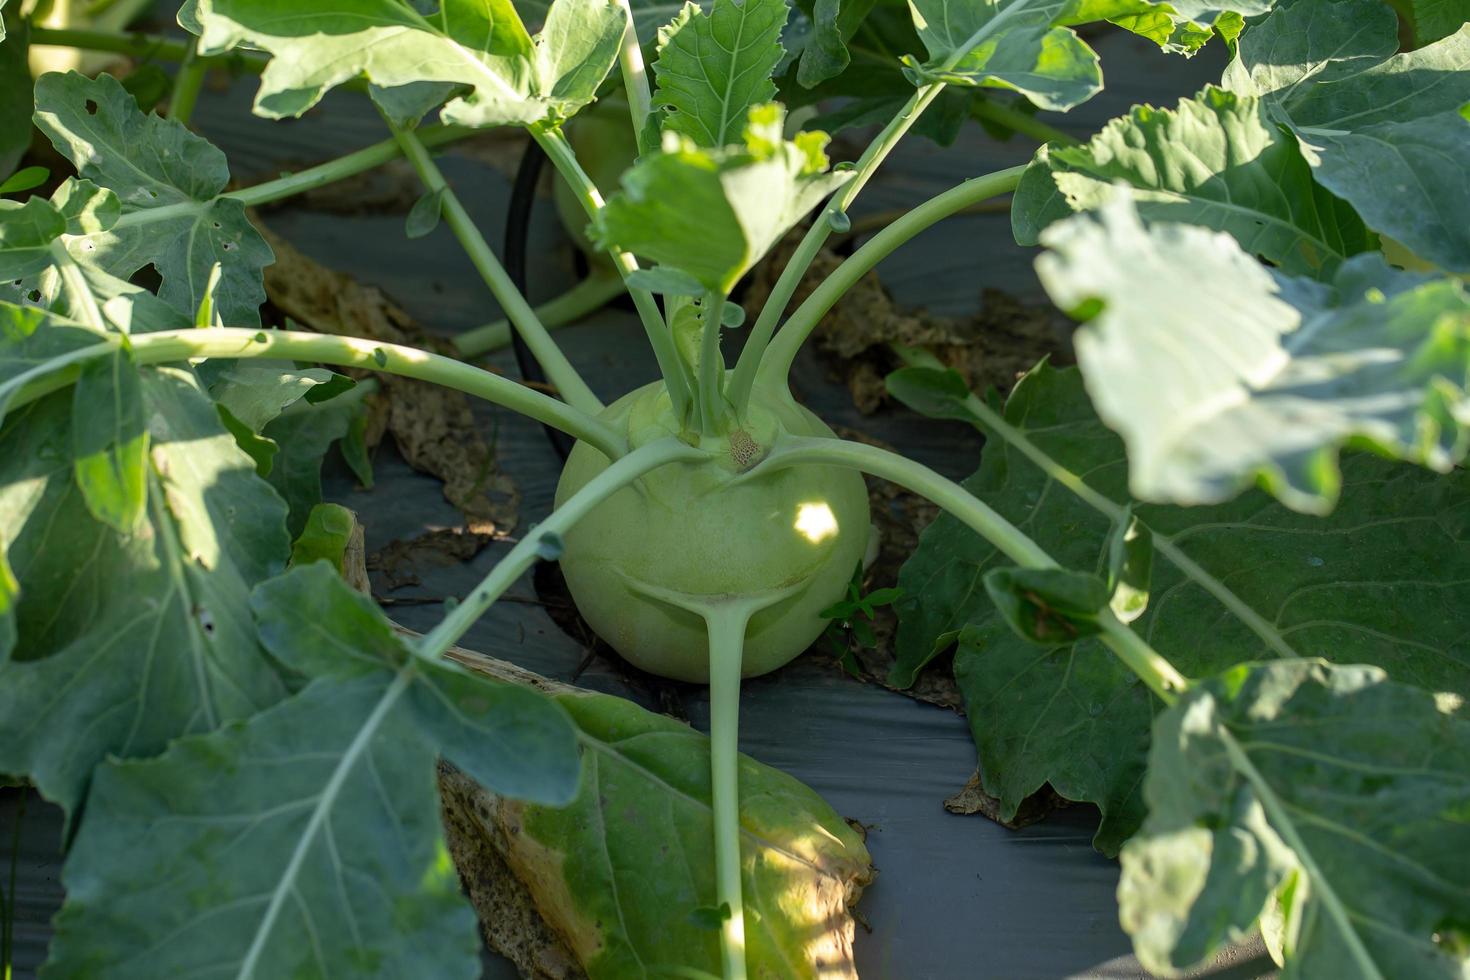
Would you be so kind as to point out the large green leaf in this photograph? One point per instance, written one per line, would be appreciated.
(636, 896)
(307, 839)
(1384, 580)
(252, 396)
(109, 440)
(1431, 20)
(714, 68)
(1020, 47)
(714, 213)
(648, 15)
(304, 434)
(833, 24)
(33, 344)
(1332, 790)
(1383, 131)
(124, 642)
(15, 98)
(481, 44)
(1218, 160)
(125, 307)
(167, 181)
(1220, 375)
(26, 233)
(1029, 46)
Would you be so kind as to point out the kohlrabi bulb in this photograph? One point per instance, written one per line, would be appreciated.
(691, 533)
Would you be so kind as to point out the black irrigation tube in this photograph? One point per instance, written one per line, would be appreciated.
(517, 237)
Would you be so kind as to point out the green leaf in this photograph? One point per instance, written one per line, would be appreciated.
(1218, 160)
(1336, 791)
(666, 282)
(833, 24)
(251, 396)
(713, 68)
(109, 440)
(1220, 375)
(157, 622)
(24, 179)
(423, 217)
(26, 233)
(930, 391)
(9, 596)
(712, 214)
(648, 15)
(257, 393)
(304, 434)
(1382, 130)
(327, 533)
(87, 208)
(167, 181)
(1128, 564)
(15, 102)
(1048, 606)
(310, 834)
(624, 892)
(33, 344)
(509, 739)
(1384, 580)
(1021, 49)
(1432, 20)
(512, 77)
(125, 307)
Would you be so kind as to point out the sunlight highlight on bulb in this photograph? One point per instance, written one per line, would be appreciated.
(815, 522)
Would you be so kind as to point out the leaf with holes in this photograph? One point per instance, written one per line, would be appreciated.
(26, 233)
(186, 659)
(511, 77)
(1383, 131)
(1384, 580)
(1332, 791)
(1218, 160)
(307, 840)
(1296, 369)
(167, 181)
(713, 68)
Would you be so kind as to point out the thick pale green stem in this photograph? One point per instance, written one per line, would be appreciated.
(131, 43)
(783, 349)
(545, 539)
(711, 398)
(781, 293)
(670, 365)
(559, 370)
(409, 362)
(302, 181)
(1155, 671)
(811, 243)
(635, 75)
(587, 296)
(993, 423)
(187, 84)
(726, 626)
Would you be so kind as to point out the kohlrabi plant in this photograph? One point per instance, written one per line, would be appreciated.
(1213, 580)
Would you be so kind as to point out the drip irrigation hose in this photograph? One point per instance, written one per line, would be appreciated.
(517, 237)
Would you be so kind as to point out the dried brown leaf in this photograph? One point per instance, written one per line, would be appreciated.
(433, 427)
(994, 346)
(974, 799)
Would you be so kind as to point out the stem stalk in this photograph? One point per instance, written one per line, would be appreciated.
(558, 369)
(225, 342)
